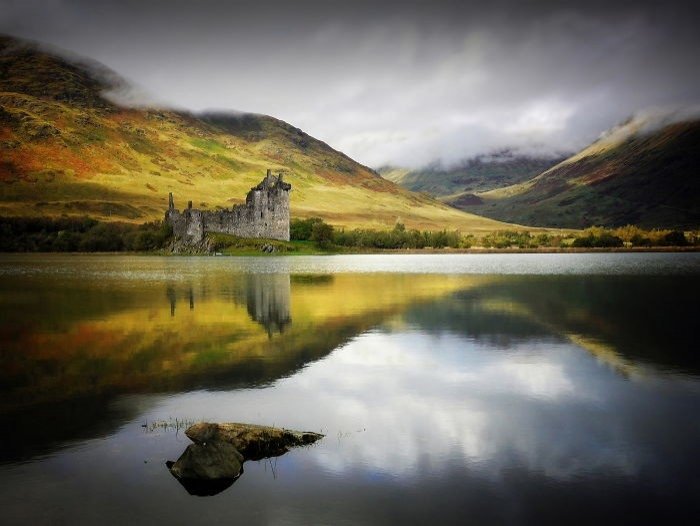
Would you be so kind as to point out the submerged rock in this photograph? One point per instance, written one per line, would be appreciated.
(254, 442)
(215, 460)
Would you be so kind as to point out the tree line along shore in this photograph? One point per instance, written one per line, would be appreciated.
(314, 235)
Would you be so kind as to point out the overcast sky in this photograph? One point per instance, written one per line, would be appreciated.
(394, 82)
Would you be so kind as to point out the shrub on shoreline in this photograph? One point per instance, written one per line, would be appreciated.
(69, 234)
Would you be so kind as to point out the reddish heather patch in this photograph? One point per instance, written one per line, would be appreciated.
(126, 115)
(48, 155)
(61, 122)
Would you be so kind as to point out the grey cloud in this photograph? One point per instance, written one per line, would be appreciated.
(402, 82)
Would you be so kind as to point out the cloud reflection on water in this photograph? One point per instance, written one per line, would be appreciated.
(409, 405)
(474, 405)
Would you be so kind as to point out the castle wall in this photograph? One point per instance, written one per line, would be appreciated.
(265, 214)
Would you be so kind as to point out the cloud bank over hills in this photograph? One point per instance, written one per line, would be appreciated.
(404, 83)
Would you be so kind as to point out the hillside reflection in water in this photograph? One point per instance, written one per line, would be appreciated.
(451, 398)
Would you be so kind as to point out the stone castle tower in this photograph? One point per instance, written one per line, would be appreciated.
(265, 214)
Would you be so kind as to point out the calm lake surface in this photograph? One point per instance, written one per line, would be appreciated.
(456, 389)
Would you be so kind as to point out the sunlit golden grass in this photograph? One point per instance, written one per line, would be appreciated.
(121, 166)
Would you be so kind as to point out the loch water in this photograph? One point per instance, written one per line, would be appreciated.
(451, 389)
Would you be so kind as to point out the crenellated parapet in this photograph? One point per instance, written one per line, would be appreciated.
(265, 214)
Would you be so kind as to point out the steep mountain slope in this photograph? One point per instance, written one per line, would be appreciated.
(67, 149)
(644, 172)
(458, 183)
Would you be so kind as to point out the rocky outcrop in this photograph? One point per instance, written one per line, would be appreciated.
(254, 442)
(215, 460)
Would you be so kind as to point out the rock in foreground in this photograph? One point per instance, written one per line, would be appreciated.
(207, 469)
(252, 441)
(215, 460)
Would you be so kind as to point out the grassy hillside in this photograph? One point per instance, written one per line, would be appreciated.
(68, 150)
(458, 183)
(635, 175)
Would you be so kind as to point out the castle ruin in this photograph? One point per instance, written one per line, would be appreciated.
(265, 214)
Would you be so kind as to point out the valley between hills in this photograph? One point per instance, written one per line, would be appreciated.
(643, 172)
(69, 150)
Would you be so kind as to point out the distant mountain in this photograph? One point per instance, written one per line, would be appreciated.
(645, 172)
(476, 174)
(69, 149)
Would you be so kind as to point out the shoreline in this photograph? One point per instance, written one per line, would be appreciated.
(392, 251)
(538, 250)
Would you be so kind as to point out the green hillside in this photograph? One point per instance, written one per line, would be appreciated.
(68, 150)
(633, 175)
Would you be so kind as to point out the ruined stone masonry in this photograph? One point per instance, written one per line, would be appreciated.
(265, 214)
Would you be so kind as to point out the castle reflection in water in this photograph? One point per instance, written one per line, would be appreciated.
(266, 296)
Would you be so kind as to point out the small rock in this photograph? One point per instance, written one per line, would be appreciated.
(208, 461)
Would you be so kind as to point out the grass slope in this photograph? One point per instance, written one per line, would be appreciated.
(632, 176)
(68, 150)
